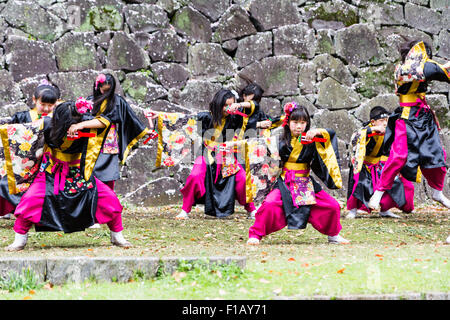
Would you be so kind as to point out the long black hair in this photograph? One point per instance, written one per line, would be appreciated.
(254, 89)
(64, 115)
(109, 95)
(406, 46)
(299, 113)
(46, 93)
(217, 104)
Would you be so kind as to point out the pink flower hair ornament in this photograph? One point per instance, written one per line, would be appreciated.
(83, 105)
(288, 108)
(101, 78)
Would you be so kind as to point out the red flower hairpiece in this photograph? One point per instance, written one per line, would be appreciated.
(101, 78)
(83, 105)
(288, 108)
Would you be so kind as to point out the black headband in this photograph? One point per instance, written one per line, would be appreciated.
(380, 116)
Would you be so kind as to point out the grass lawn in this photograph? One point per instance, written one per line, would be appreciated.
(398, 256)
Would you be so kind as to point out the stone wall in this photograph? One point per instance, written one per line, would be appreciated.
(334, 57)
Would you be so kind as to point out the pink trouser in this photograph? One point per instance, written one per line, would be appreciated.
(195, 186)
(29, 210)
(110, 184)
(324, 217)
(5, 206)
(397, 159)
(386, 202)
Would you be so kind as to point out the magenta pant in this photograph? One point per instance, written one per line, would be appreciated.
(195, 186)
(5, 206)
(386, 202)
(324, 217)
(397, 159)
(29, 210)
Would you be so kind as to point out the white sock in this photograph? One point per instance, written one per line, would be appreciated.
(352, 213)
(439, 196)
(252, 214)
(387, 213)
(448, 239)
(374, 202)
(20, 240)
(182, 214)
(337, 239)
(118, 237)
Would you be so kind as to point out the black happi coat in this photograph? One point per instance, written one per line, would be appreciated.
(364, 189)
(129, 129)
(424, 144)
(220, 195)
(72, 209)
(323, 167)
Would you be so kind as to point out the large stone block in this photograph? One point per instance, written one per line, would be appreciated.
(373, 81)
(167, 46)
(338, 120)
(124, 53)
(8, 110)
(307, 78)
(145, 17)
(357, 44)
(390, 39)
(253, 48)
(18, 52)
(330, 15)
(31, 18)
(235, 23)
(273, 14)
(142, 88)
(296, 40)
(444, 44)
(333, 95)
(170, 75)
(276, 75)
(212, 9)
(328, 66)
(14, 265)
(272, 107)
(209, 59)
(101, 15)
(9, 90)
(191, 23)
(74, 84)
(196, 95)
(62, 270)
(76, 52)
(387, 101)
(424, 19)
(383, 13)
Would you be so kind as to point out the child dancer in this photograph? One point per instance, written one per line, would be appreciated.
(125, 129)
(206, 184)
(258, 120)
(65, 195)
(413, 126)
(44, 100)
(365, 168)
(298, 198)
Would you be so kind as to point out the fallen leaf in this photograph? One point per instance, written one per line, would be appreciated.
(305, 265)
(27, 298)
(31, 292)
(378, 255)
(178, 276)
(277, 291)
(291, 259)
(262, 280)
(48, 286)
(341, 270)
(263, 261)
(59, 234)
(192, 239)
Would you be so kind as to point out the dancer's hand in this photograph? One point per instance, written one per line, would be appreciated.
(379, 129)
(73, 130)
(264, 124)
(311, 134)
